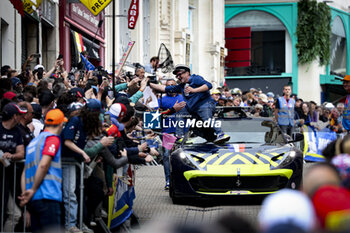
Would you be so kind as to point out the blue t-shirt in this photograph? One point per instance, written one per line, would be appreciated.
(73, 131)
(167, 102)
(193, 100)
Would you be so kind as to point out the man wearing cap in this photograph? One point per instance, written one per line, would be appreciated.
(27, 136)
(25, 120)
(195, 91)
(117, 111)
(266, 111)
(42, 177)
(216, 94)
(222, 101)
(78, 93)
(12, 149)
(17, 84)
(346, 113)
(284, 111)
(74, 139)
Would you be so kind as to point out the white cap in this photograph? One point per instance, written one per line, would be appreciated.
(263, 98)
(329, 106)
(117, 109)
(39, 66)
(287, 206)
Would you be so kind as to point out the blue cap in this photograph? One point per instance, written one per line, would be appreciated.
(270, 94)
(15, 81)
(94, 105)
(78, 92)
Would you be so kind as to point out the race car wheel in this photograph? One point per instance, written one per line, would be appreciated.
(174, 198)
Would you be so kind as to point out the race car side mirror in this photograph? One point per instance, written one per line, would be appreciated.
(297, 137)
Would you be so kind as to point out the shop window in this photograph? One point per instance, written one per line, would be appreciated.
(338, 48)
(256, 43)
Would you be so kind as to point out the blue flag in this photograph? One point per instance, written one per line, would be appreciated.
(122, 204)
(86, 63)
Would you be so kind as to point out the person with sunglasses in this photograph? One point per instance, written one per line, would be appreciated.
(199, 103)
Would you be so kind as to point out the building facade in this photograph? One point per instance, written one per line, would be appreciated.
(192, 30)
(80, 31)
(10, 30)
(27, 29)
(261, 40)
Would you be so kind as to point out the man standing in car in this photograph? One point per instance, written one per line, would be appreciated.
(195, 91)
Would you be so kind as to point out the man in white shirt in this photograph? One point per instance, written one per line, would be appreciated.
(37, 114)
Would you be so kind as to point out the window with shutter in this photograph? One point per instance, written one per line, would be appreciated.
(238, 44)
(256, 45)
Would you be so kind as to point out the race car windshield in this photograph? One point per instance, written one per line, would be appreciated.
(250, 131)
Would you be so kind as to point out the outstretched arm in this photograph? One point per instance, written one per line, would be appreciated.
(157, 87)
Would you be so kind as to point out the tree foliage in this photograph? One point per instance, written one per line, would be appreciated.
(313, 32)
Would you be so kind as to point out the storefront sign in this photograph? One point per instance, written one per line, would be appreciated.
(78, 13)
(31, 5)
(133, 13)
(95, 6)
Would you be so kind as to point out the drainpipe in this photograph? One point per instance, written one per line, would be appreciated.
(15, 39)
(39, 40)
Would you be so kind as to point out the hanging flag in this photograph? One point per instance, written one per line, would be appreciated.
(86, 63)
(121, 202)
(133, 13)
(315, 141)
(79, 43)
(168, 141)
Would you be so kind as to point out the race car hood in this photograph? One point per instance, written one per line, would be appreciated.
(236, 154)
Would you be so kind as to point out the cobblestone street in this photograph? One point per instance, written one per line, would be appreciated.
(153, 202)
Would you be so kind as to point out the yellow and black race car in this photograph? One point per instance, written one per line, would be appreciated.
(257, 160)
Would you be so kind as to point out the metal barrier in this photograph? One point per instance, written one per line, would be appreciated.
(3, 208)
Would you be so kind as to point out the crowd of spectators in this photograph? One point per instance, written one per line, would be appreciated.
(107, 130)
(104, 140)
(261, 104)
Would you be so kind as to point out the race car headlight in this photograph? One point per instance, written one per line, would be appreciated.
(188, 160)
(288, 157)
